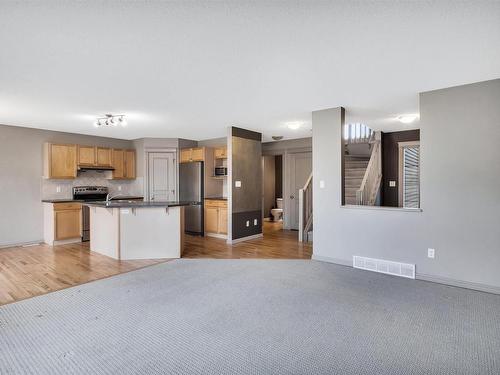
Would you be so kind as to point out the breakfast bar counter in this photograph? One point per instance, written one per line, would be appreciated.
(127, 230)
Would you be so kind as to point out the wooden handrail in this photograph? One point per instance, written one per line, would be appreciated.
(305, 209)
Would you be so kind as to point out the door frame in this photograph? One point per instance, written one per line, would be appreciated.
(288, 201)
(148, 151)
(401, 146)
(285, 152)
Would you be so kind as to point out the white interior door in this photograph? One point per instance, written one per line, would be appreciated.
(162, 173)
(300, 167)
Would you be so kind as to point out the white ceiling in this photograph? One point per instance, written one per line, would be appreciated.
(190, 69)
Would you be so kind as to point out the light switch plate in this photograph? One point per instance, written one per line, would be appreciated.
(431, 253)
(248, 223)
(392, 183)
(255, 221)
(237, 183)
(321, 184)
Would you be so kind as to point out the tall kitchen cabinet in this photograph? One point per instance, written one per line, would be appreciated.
(123, 162)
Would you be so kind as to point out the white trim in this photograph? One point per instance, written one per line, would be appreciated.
(459, 283)
(321, 258)
(247, 238)
(216, 235)
(422, 277)
(380, 208)
(20, 244)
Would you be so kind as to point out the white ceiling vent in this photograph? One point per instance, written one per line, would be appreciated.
(384, 266)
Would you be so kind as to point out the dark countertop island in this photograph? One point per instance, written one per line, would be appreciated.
(122, 203)
(70, 200)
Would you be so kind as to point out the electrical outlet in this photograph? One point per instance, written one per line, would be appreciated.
(255, 222)
(248, 223)
(392, 183)
(58, 189)
(119, 188)
(237, 183)
(431, 253)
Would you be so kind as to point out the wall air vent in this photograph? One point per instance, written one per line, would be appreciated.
(384, 266)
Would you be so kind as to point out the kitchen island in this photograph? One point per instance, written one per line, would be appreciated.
(125, 229)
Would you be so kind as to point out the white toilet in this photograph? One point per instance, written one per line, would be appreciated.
(277, 213)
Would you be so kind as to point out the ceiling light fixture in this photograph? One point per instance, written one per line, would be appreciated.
(407, 119)
(110, 120)
(293, 125)
(277, 137)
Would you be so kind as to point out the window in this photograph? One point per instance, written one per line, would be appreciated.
(409, 175)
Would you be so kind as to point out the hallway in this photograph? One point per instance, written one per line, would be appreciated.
(276, 243)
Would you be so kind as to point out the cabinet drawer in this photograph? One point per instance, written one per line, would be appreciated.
(215, 203)
(67, 206)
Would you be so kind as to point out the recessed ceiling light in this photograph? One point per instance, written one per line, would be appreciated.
(407, 119)
(277, 137)
(293, 125)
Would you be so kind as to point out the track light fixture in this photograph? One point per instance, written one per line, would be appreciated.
(110, 120)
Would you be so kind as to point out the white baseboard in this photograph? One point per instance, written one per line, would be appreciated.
(18, 244)
(322, 258)
(216, 235)
(459, 283)
(253, 237)
(435, 279)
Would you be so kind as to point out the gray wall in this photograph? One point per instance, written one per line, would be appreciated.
(460, 185)
(268, 184)
(246, 166)
(21, 169)
(288, 145)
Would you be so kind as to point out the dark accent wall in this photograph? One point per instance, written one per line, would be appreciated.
(390, 164)
(246, 166)
(278, 176)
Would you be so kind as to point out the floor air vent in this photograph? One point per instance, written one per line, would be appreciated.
(384, 266)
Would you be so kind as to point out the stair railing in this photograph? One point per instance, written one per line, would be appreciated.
(305, 209)
(366, 195)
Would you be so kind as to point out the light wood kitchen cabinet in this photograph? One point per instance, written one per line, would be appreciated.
(60, 160)
(103, 156)
(212, 219)
(86, 155)
(62, 222)
(118, 163)
(192, 154)
(215, 217)
(222, 220)
(130, 164)
(123, 161)
(220, 153)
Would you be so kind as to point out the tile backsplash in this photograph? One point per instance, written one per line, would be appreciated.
(90, 178)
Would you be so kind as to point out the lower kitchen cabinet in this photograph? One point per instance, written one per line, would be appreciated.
(216, 217)
(62, 222)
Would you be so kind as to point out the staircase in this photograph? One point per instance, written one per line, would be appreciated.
(355, 169)
(306, 211)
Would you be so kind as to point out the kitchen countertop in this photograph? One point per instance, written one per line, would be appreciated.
(216, 198)
(138, 204)
(59, 200)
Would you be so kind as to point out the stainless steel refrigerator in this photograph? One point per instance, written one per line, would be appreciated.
(191, 189)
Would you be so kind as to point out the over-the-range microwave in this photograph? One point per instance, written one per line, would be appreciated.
(220, 171)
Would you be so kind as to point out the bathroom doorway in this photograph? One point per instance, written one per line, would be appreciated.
(272, 190)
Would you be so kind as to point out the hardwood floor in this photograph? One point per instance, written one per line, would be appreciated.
(276, 243)
(31, 271)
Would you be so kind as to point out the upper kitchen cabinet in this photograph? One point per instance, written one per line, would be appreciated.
(192, 154)
(123, 162)
(220, 153)
(91, 156)
(103, 156)
(60, 160)
(86, 155)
